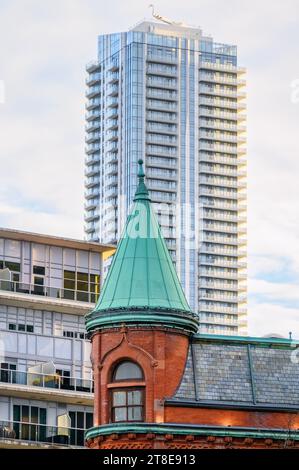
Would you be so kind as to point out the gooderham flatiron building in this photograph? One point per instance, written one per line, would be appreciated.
(161, 385)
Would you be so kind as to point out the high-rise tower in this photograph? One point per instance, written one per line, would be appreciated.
(171, 95)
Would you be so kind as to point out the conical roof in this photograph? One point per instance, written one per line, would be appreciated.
(142, 276)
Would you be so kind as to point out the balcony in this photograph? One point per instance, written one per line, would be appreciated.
(207, 157)
(219, 262)
(218, 113)
(160, 104)
(92, 170)
(46, 381)
(93, 66)
(112, 89)
(112, 113)
(93, 91)
(221, 148)
(219, 296)
(217, 91)
(220, 227)
(160, 151)
(219, 125)
(93, 125)
(92, 158)
(218, 250)
(159, 82)
(161, 128)
(161, 139)
(19, 288)
(35, 435)
(161, 117)
(217, 274)
(161, 162)
(217, 78)
(220, 136)
(218, 308)
(163, 70)
(91, 148)
(228, 182)
(161, 185)
(163, 95)
(92, 137)
(219, 67)
(212, 238)
(213, 192)
(161, 58)
(93, 78)
(93, 114)
(218, 170)
(220, 103)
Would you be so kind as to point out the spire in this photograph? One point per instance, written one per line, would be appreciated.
(142, 285)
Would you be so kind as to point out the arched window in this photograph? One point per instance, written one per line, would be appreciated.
(127, 393)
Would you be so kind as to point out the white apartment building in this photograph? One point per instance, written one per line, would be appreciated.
(47, 285)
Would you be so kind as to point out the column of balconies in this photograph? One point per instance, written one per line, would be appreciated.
(221, 143)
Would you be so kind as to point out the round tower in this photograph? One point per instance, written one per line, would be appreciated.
(140, 331)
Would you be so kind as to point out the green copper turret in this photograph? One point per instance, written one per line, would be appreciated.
(142, 286)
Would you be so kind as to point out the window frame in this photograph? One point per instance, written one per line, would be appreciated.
(114, 371)
(126, 385)
(127, 390)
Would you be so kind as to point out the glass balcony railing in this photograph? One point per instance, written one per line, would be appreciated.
(53, 381)
(46, 291)
(41, 433)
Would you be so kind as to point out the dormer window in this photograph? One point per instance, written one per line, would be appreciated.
(127, 393)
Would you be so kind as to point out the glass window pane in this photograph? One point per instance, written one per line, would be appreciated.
(135, 397)
(82, 277)
(135, 413)
(128, 370)
(25, 414)
(80, 420)
(82, 286)
(89, 420)
(69, 275)
(34, 414)
(119, 398)
(120, 414)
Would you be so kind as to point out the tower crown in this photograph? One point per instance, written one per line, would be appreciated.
(142, 286)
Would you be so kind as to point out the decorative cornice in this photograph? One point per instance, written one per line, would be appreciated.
(188, 322)
(186, 430)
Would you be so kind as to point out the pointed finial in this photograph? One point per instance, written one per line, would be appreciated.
(140, 173)
(141, 192)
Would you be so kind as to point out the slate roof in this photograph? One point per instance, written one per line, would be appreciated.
(241, 370)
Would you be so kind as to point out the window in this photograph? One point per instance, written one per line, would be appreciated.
(127, 402)
(74, 334)
(29, 423)
(40, 270)
(80, 421)
(86, 286)
(127, 371)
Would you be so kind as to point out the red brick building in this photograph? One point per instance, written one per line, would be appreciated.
(158, 384)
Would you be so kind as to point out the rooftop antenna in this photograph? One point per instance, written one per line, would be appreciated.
(162, 18)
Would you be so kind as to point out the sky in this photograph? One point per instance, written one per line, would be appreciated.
(44, 47)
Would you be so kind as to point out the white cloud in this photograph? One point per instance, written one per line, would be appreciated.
(42, 120)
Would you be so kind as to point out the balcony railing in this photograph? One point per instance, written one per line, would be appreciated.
(41, 433)
(53, 381)
(46, 291)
